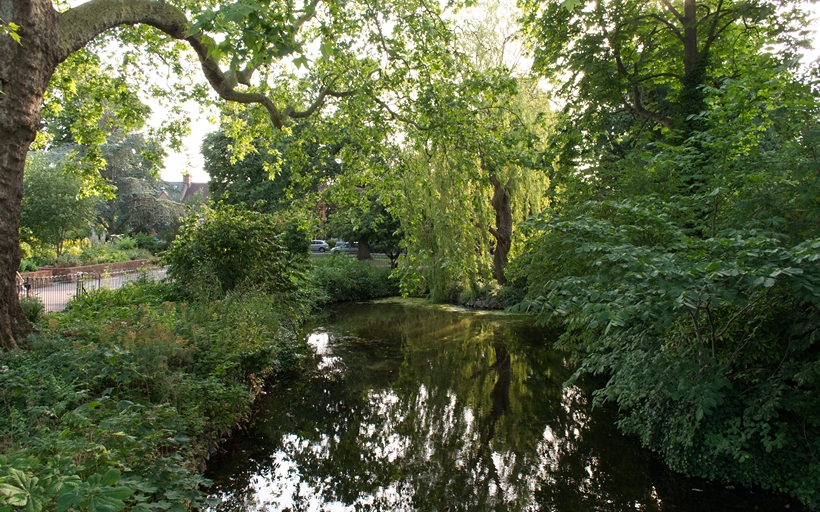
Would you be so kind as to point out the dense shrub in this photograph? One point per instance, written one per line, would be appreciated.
(28, 265)
(151, 243)
(118, 400)
(338, 279)
(229, 246)
(710, 344)
(124, 243)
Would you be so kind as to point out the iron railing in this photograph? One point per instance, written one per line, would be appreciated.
(56, 291)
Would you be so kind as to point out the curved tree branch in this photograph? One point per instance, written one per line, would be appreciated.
(639, 110)
(81, 24)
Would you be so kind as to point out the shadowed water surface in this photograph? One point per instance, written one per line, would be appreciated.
(430, 408)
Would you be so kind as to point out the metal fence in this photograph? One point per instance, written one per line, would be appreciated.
(56, 291)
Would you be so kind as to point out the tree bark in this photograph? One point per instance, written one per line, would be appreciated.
(690, 36)
(363, 252)
(25, 70)
(503, 229)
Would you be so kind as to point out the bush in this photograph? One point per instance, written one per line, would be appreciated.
(125, 393)
(230, 246)
(147, 242)
(710, 344)
(124, 243)
(33, 308)
(67, 260)
(338, 279)
(28, 265)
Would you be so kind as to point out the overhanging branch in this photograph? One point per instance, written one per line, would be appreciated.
(81, 24)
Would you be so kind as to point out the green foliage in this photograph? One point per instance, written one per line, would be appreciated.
(632, 63)
(366, 221)
(84, 253)
(54, 209)
(711, 344)
(33, 308)
(681, 253)
(231, 246)
(132, 166)
(271, 173)
(339, 279)
(148, 242)
(28, 265)
(469, 132)
(125, 243)
(9, 29)
(120, 398)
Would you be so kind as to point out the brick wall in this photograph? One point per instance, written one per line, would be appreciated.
(120, 266)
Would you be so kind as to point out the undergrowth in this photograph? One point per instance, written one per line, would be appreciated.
(117, 402)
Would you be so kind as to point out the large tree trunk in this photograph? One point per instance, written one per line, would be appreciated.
(503, 229)
(25, 70)
(363, 252)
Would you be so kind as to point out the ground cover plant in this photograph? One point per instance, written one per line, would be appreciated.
(119, 400)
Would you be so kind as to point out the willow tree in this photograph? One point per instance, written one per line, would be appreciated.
(474, 130)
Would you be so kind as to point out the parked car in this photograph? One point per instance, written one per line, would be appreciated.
(345, 248)
(319, 246)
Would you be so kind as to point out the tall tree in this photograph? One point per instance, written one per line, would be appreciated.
(54, 208)
(474, 128)
(240, 48)
(652, 59)
(630, 72)
(682, 259)
(275, 173)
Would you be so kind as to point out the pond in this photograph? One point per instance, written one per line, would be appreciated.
(432, 408)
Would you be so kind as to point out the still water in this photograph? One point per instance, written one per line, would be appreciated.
(418, 407)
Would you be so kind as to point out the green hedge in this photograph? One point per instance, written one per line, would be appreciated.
(339, 279)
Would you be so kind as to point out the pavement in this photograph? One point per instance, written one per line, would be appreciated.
(55, 296)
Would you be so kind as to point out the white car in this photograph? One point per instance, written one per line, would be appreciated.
(319, 246)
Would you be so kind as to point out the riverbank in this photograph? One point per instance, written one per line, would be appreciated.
(118, 402)
(120, 399)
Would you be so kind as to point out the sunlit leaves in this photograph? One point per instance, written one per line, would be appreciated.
(10, 29)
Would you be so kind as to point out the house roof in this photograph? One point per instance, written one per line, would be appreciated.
(186, 190)
(189, 191)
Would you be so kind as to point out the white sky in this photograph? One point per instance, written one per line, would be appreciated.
(190, 158)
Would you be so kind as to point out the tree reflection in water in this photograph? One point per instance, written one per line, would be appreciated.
(413, 407)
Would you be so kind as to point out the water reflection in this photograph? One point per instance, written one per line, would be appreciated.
(416, 408)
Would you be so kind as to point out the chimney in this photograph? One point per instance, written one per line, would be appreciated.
(186, 180)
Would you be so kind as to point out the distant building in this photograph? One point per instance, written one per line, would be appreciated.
(189, 188)
(184, 191)
(163, 194)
